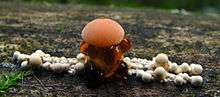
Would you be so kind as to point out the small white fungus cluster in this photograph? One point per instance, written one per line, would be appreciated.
(39, 59)
(160, 68)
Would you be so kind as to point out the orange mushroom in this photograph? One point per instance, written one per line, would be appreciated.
(103, 33)
(104, 44)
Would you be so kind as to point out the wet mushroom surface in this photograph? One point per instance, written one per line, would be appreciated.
(191, 38)
(104, 45)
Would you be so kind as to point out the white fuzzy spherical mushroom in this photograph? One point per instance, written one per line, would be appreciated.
(78, 66)
(63, 58)
(81, 57)
(185, 67)
(52, 59)
(196, 80)
(150, 65)
(47, 55)
(178, 70)
(23, 57)
(59, 67)
(160, 73)
(47, 59)
(63, 61)
(144, 62)
(126, 59)
(15, 55)
(35, 60)
(139, 73)
(40, 52)
(24, 64)
(46, 65)
(173, 67)
(171, 76)
(134, 65)
(196, 69)
(166, 80)
(146, 77)
(150, 71)
(147, 66)
(179, 80)
(131, 71)
(55, 59)
(139, 66)
(134, 60)
(55, 66)
(162, 60)
(185, 76)
(72, 60)
(72, 71)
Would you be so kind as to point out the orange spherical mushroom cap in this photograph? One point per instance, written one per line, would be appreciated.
(103, 33)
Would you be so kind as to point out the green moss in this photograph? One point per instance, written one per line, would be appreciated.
(10, 80)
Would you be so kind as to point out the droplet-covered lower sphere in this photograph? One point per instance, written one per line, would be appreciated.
(103, 33)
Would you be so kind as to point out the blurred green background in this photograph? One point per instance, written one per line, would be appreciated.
(190, 5)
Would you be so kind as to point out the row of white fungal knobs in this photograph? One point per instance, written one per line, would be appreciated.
(39, 59)
(160, 68)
